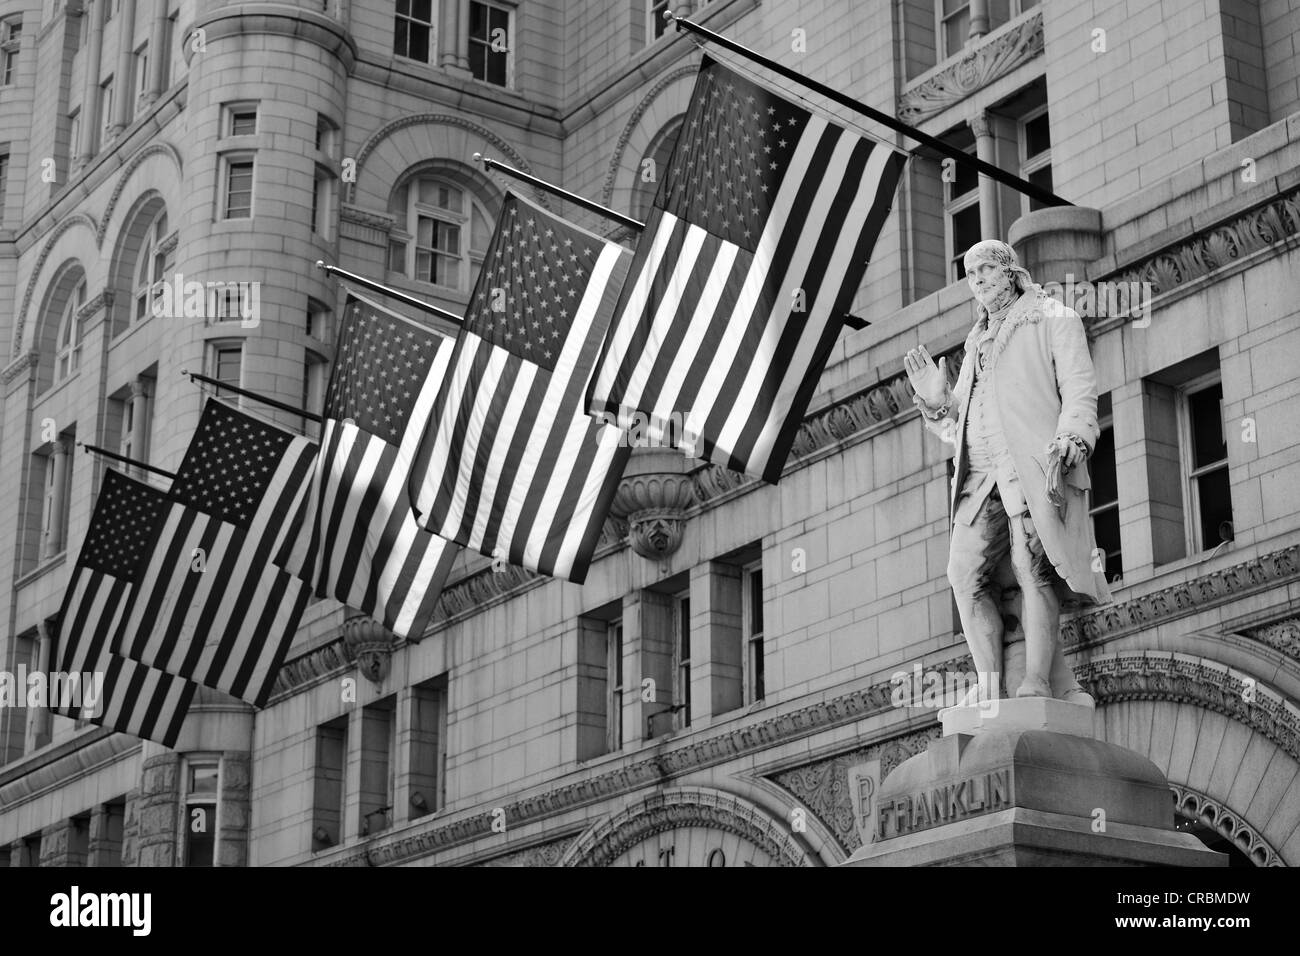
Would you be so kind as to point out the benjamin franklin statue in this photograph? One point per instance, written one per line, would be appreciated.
(1023, 416)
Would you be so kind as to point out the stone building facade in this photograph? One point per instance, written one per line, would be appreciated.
(722, 684)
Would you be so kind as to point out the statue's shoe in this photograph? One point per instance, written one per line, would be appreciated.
(1034, 688)
(1079, 696)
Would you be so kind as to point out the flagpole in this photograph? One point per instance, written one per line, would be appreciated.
(857, 323)
(95, 449)
(574, 198)
(374, 286)
(988, 169)
(310, 416)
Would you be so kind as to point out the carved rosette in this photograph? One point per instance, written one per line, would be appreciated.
(370, 645)
(654, 503)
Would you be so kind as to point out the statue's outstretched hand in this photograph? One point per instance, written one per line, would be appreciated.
(928, 380)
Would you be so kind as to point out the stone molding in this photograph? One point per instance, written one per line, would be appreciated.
(76, 219)
(157, 148)
(1181, 679)
(978, 67)
(1196, 806)
(274, 19)
(543, 854)
(100, 303)
(688, 807)
(1201, 254)
(444, 119)
(615, 161)
(22, 364)
(1184, 598)
(647, 771)
(1282, 636)
(364, 217)
(316, 663)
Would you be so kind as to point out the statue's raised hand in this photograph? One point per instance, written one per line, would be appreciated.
(928, 380)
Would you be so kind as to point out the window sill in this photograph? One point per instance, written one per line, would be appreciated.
(42, 569)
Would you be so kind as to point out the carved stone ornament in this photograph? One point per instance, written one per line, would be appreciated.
(973, 70)
(370, 644)
(653, 498)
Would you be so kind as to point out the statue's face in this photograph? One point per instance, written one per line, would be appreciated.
(991, 285)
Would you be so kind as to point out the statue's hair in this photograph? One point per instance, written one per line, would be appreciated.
(1003, 255)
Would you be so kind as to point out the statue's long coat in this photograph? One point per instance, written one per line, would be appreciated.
(1044, 384)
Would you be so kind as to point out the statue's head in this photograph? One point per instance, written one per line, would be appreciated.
(995, 275)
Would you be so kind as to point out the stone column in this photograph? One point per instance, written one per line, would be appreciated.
(106, 831)
(90, 118)
(15, 852)
(979, 18)
(55, 842)
(53, 543)
(717, 640)
(139, 421)
(985, 149)
(234, 809)
(38, 719)
(124, 78)
(1057, 242)
(159, 42)
(157, 810)
(461, 35)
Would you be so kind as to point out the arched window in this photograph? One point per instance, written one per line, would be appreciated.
(152, 267)
(68, 357)
(444, 232)
(653, 167)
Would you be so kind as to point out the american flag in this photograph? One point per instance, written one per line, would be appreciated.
(366, 549)
(212, 606)
(511, 465)
(757, 242)
(135, 699)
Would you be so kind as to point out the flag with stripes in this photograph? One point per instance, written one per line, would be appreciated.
(759, 237)
(211, 606)
(510, 464)
(366, 549)
(133, 698)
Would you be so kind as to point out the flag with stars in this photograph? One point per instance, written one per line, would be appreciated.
(211, 606)
(366, 549)
(511, 465)
(758, 240)
(133, 699)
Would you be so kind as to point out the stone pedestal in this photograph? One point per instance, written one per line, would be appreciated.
(1023, 782)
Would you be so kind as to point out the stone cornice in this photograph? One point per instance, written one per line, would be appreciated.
(315, 664)
(22, 364)
(687, 807)
(364, 217)
(100, 303)
(1224, 245)
(274, 19)
(652, 770)
(62, 763)
(1180, 679)
(999, 54)
(1184, 598)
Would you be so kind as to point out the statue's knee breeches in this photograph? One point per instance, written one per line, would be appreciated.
(1029, 560)
(976, 550)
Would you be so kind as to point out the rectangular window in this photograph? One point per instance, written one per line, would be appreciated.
(1205, 464)
(961, 215)
(329, 784)
(614, 685)
(202, 789)
(413, 35)
(1035, 155)
(378, 740)
(954, 25)
(169, 39)
(105, 109)
(326, 135)
(752, 615)
(141, 78)
(437, 252)
(238, 198)
(426, 787)
(227, 363)
(74, 133)
(315, 377)
(491, 43)
(10, 43)
(682, 658)
(318, 321)
(655, 24)
(241, 119)
(31, 850)
(79, 840)
(322, 204)
(1105, 493)
(4, 180)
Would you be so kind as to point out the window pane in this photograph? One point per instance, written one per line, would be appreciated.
(1105, 528)
(756, 601)
(403, 7)
(478, 21)
(1102, 466)
(497, 69)
(1042, 178)
(965, 178)
(200, 833)
(684, 623)
(420, 10)
(448, 238)
(399, 36)
(1037, 136)
(965, 233)
(203, 778)
(1206, 408)
(480, 231)
(1216, 505)
(397, 257)
(243, 122)
(423, 266)
(419, 42)
(955, 32)
(424, 231)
